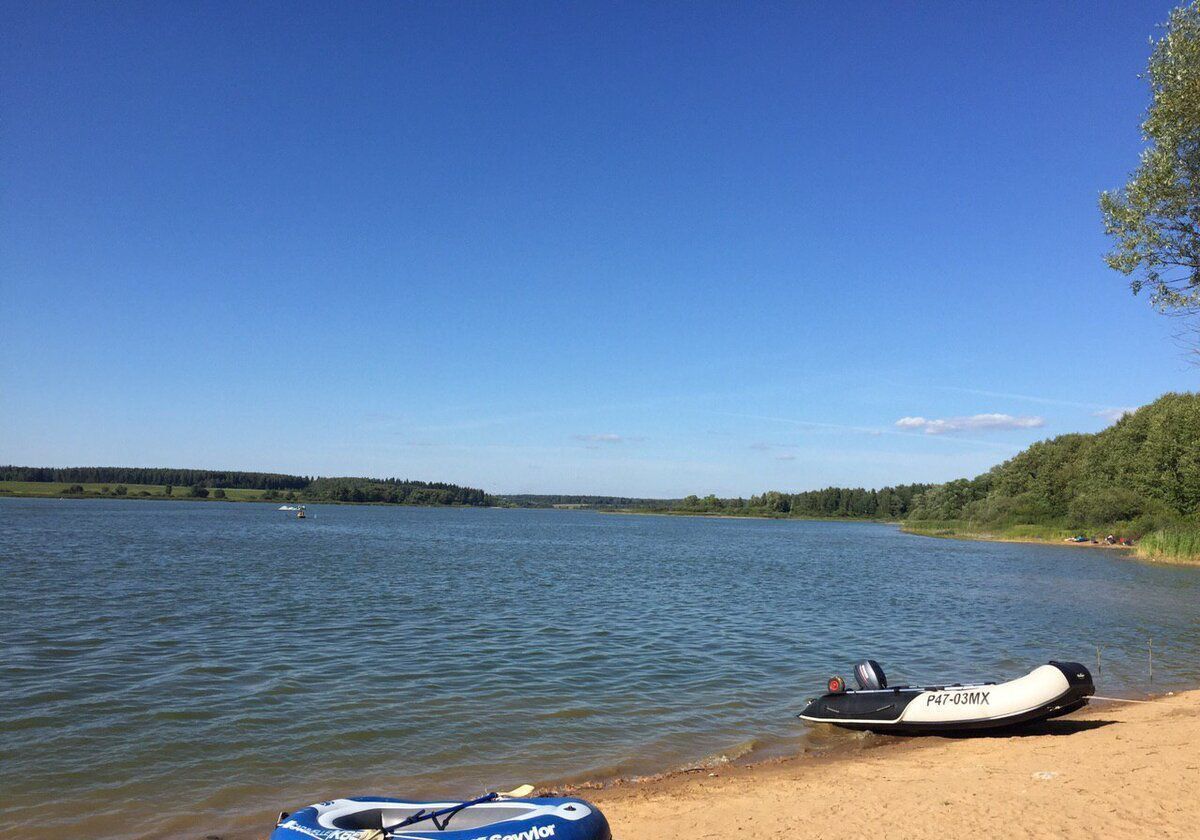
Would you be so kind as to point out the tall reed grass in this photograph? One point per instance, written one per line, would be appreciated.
(1179, 543)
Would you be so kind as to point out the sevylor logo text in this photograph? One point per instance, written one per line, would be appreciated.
(321, 833)
(536, 833)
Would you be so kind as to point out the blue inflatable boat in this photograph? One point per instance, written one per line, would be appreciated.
(491, 817)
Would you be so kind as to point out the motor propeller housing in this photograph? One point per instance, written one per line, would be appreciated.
(869, 675)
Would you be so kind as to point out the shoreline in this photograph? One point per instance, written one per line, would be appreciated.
(761, 516)
(984, 536)
(112, 497)
(1130, 552)
(1112, 769)
(1056, 778)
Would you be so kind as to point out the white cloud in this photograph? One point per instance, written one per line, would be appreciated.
(785, 457)
(975, 422)
(1112, 415)
(868, 430)
(607, 438)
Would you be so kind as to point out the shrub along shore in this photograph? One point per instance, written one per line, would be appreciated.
(1137, 480)
(1177, 544)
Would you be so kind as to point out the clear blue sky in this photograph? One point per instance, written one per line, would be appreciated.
(646, 249)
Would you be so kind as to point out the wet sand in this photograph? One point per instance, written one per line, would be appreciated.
(1112, 770)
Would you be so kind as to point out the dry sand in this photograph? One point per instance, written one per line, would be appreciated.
(1112, 770)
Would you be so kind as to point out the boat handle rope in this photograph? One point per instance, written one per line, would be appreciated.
(447, 813)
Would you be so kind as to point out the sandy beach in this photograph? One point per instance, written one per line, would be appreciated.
(1112, 770)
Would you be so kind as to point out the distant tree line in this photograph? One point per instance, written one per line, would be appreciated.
(157, 475)
(395, 491)
(205, 483)
(843, 502)
(1138, 475)
(533, 500)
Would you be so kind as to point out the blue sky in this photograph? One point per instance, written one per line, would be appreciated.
(644, 249)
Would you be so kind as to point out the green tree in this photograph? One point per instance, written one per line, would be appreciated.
(1106, 506)
(198, 491)
(1155, 219)
(776, 502)
(218, 493)
(168, 490)
(120, 490)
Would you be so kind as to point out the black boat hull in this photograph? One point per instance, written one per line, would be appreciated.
(1048, 691)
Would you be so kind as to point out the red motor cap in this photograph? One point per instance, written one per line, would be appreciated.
(836, 685)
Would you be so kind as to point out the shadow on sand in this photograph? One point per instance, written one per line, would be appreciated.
(1056, 726)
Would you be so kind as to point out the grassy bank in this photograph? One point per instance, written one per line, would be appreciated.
(965, 530)
(234, 485)
(1177, 544)
(52, 489)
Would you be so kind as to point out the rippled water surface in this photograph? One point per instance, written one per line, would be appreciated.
(193, 668)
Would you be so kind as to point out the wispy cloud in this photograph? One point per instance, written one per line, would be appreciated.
(608, 438)
(866, 430)
(780, 450)
(1112, 415)
(1024, 397)
(973, 423)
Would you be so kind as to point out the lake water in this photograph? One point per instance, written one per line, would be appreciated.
(193, 668)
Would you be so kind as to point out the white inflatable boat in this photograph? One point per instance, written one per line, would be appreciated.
(1045, 692)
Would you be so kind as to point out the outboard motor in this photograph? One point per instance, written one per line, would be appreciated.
(869, 675)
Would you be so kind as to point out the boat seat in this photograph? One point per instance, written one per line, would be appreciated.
(869, 675)
(371, 818)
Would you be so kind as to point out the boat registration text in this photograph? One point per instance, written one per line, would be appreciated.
(958, 698)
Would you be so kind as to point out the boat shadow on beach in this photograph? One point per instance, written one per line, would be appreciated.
(1052, 727)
